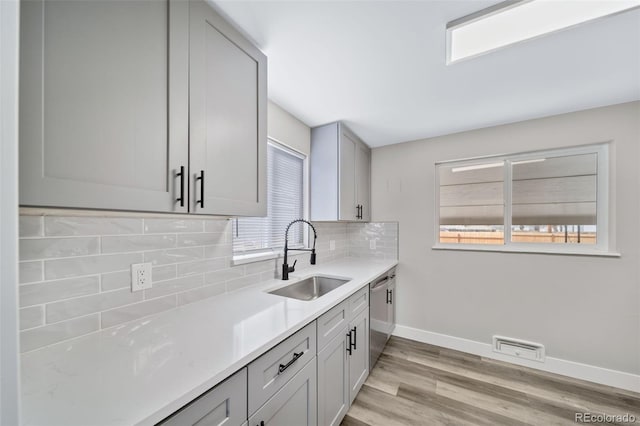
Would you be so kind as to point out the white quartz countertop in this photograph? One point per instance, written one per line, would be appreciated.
(142, 371)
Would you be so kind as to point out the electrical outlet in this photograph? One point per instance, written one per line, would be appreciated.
(332, 245)
(140, 276)
(372, 244)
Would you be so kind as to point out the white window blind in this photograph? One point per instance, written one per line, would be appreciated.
(285, 202)
(544, 198)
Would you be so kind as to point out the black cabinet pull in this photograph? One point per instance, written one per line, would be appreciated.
(355, 338)
(201, 179)
(391, 297)
(361, 211)
(388, 297)
(181, 174)
(261, 423)
(350, 343)
(294, 359)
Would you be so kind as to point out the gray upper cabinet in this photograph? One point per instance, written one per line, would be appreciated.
(103, 104)
(226, 404)
(340, 175)
(228, 127)
(117, 98)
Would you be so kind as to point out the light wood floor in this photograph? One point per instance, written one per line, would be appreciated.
(419, 384)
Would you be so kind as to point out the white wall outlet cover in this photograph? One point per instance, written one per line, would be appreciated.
(332, 245)
(372, 244)
(141, 278)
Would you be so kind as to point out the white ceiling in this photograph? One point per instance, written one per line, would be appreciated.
(380, 66)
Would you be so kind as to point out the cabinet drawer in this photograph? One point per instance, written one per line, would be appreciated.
(295, 404)
(225, 404)
(358, 301)
(272, 370)
(331, 323)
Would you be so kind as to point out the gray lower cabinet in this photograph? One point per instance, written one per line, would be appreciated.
(140, 105)
(359, 357)
(295, 403)
(226, 404)
(333, 380)
(343, 356)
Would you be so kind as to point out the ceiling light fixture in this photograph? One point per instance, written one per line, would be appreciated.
(512, 22)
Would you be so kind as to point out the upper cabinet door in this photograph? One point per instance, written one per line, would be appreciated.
(363, 181)
(228, 126)
(104, 104)
(348, 148)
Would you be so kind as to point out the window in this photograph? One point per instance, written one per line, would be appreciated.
(541, 201)
(285, 202)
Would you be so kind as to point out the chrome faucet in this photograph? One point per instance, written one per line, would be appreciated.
(285, 266)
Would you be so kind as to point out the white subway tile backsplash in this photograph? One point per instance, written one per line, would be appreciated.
(83, 282)
(153, 226)
(204, 239)
(31, 317)
(217, 225)
(137, 310)
(30, 272)
(70, 267)
(49, 291)
(161, 273)
(164, 257)
(46, 248)
(31, 226)
(218, 250)
(80, 306)
(202, 266)
(69, 225)
(245, 281)
(177, 285)
(223, 275)
(200, 293)
(123, 244)
(42, 336)
(115, 280)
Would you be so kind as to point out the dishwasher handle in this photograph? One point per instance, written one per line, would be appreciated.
(380, 283)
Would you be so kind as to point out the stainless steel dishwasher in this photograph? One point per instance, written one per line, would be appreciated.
(382, 314)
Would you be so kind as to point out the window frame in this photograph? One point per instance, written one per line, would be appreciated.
(250, 256)
(603, 240)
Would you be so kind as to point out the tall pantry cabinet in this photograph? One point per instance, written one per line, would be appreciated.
(132, 106)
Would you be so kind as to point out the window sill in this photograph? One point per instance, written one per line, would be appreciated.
(504, 249)
(243, 259)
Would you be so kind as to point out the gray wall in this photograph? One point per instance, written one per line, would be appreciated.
(583, 309)
(285, 128)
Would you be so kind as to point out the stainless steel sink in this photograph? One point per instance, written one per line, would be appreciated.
(310, 288)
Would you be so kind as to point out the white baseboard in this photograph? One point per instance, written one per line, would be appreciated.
(605, 376)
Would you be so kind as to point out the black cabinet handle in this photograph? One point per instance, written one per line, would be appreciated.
(350, 342)
(294, 359)
(261, 423)
(361, 211)
(388, 297)
(355, 338)
(181, 174)
(201, 179)
(391, 297)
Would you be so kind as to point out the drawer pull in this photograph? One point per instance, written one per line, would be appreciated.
(294, 359)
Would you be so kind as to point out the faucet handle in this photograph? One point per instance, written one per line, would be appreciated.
(293, 267)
